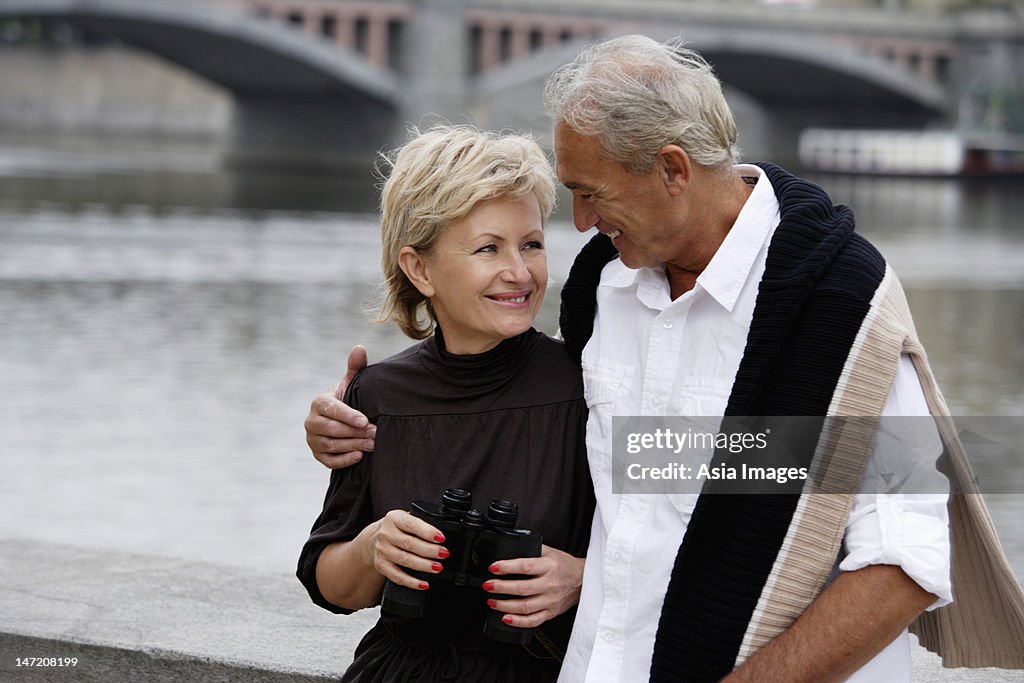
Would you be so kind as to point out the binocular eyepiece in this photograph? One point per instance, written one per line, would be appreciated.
(475, 540)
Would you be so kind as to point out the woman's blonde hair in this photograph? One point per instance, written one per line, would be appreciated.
(436, 179)
(638, 95)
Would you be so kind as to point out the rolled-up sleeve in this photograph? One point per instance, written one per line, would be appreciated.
(900, 515)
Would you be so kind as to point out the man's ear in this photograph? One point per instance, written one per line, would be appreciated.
(415, 268)
(675, 168)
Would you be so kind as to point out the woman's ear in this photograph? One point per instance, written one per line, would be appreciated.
(416, 269)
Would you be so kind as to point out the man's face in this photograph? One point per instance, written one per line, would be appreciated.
(633, 210)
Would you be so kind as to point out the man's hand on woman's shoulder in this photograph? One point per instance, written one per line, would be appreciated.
(336, 433)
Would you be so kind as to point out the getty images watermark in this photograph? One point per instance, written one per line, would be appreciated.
(754, 455)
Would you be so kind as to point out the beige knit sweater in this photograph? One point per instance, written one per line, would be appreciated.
(984, 626)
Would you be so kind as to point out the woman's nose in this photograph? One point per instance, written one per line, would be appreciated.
(516, 270)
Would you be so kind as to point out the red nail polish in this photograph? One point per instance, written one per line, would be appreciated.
(436, 566)
(439, 538)
(492, 603)
(424, 585)
(488, 585)
(443, 553)
(494, 568)
(506, 619)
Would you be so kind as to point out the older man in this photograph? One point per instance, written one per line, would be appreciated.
(737, 290)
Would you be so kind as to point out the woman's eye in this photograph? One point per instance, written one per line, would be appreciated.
(533, 244)
(487, 249)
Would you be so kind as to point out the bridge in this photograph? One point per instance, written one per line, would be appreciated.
(322, 80)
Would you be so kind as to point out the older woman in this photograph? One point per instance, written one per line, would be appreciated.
(484, 403)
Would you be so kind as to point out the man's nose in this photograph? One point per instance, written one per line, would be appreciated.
(583, 215)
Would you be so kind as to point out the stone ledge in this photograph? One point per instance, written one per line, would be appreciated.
(165, 618)
(103, 664)
(148, 618)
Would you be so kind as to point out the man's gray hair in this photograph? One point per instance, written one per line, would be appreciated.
(637, 95)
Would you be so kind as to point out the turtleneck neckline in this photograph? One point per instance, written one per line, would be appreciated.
(496, 364)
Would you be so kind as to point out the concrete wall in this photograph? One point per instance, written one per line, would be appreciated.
(108, 90)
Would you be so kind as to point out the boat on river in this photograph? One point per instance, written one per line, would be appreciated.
(911, 153)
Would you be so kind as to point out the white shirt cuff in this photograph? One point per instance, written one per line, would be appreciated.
(910, 531)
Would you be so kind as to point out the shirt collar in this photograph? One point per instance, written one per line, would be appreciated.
(734, 261)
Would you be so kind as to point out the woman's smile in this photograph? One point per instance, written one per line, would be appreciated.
(487, 274)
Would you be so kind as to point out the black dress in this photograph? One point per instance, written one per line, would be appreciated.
(509, 423)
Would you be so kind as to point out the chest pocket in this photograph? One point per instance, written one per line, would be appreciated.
(603, 383)
(699, 400)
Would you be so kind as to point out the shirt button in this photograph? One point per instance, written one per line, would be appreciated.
(617, 556)
(609, 637)
(668, 324)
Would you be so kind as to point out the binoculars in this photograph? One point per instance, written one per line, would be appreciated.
(475, 541)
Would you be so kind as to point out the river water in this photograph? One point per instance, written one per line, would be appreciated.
(164, 325)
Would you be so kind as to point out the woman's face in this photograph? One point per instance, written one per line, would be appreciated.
(487, 274)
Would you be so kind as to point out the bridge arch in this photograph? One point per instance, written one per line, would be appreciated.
(803, 70)
(807, 70)
(294, 97)
(236, 50)
(798, 82)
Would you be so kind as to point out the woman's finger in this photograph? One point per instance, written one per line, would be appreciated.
(530, 620)
(530, 566)
(518, 587)
(406, 560)
(397, 575)
(414, 526)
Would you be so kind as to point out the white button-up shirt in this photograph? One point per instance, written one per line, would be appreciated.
(650, 355)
